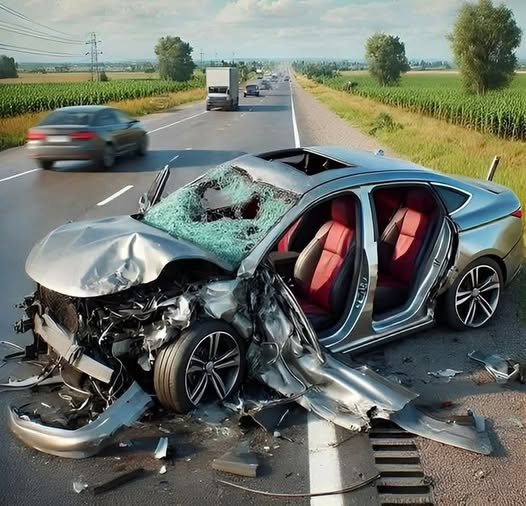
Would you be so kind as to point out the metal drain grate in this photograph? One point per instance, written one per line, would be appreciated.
(402, 480)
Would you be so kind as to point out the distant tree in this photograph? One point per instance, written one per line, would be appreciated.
(103, 76)
(386, 57)
(484, 40)
(7, 67)
(175, 59)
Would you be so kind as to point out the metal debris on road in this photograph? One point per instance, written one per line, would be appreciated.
(445, 373)
(502, 369)
(240, 461)
(162, 448)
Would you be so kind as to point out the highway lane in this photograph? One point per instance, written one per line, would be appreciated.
(190, 140)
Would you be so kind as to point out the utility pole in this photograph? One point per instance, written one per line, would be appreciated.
(94, 54)
(201, 54)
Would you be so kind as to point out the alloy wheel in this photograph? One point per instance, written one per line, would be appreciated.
(477, 295)
(214, 367)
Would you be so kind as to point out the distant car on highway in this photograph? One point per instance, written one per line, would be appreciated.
(286, 78)
(88, 132)
(265, 85)
(251, 90)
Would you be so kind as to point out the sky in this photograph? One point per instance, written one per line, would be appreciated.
(244, 29)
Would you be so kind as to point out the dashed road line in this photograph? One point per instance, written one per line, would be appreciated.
(177, 122)
(18, 175)
(115, 195)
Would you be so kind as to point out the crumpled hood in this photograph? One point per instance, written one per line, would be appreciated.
(109, 255)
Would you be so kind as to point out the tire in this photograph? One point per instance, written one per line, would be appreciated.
(108, 157)
(176, 388)
(142, 146)
(207, 107)
(45, 164)
(245, 95)
(472, 300)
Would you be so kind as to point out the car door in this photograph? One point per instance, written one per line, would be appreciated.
(129, 132)
(111, 129)
(417, 311)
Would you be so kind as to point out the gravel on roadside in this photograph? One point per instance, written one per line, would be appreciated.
(459, 477)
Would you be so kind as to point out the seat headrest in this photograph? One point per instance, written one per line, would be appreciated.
(343, 211)
(420, 200)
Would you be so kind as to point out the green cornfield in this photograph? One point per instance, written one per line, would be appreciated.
(22, 98)
(501, 113)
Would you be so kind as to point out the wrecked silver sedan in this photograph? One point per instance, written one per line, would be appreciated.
(273, 266)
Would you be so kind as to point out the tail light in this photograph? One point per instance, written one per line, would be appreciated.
(517, 213)
(35, 136)
(84, 136)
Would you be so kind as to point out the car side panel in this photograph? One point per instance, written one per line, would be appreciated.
(501, 238)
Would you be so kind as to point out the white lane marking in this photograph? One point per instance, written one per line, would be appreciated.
(324, 466)
(294, 123)
(176, 122)
(115, 195)
(187, 149)
(174, 158)
(18, 175)
(242, 115)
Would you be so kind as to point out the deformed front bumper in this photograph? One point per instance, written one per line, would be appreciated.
(88, 440)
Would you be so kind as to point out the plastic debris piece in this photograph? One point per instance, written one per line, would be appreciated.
(240, 461)
(162, 448)
(79, 486)
(120, 480)
(162, 470)
(445, 373)
(166, 431)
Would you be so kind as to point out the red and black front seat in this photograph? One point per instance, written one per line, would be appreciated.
(324, 269)
(400, 249)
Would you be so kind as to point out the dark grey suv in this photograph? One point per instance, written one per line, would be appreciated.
(88, 132)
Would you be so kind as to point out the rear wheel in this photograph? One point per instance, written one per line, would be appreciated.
(108, 156)
(474, 297)
(45, 164)
(206, 362)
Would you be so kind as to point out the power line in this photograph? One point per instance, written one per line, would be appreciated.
(38, 35)
(28, 50)
(13, 12)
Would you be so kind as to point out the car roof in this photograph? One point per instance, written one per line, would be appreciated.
(84, 108)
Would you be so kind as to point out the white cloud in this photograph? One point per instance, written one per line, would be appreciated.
(250, 28)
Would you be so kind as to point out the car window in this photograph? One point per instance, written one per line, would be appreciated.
(122, 117)
(452, 199)
(106, 117)
(68, 118)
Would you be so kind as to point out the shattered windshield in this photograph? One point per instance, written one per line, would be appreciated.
(226, 212)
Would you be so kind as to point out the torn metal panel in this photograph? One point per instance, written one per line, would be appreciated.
(109, 255)
(221, 299)
(63, 343)
(470, 436)
(89, 439)
(503, 370)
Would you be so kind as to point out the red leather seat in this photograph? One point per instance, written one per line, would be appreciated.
(286, 241)
(386, 202)
(323, 271)
(399, 248)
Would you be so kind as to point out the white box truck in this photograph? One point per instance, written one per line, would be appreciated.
(222, 84)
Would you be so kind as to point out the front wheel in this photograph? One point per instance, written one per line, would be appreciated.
(45, 164)
(473, 298)
(206, 362)
(142, 146)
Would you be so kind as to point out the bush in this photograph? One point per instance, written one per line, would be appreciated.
(385, 122)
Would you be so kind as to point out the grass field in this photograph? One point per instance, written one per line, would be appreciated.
(72, 77)
(440, 95)
(429, 141)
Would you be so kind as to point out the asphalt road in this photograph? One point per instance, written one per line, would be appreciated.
(33, 201)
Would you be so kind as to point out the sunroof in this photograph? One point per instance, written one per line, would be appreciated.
(305, 161)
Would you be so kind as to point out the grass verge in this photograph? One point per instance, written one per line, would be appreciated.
(435, 144)
(13, 130)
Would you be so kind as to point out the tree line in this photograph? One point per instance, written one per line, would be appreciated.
(483, 40)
